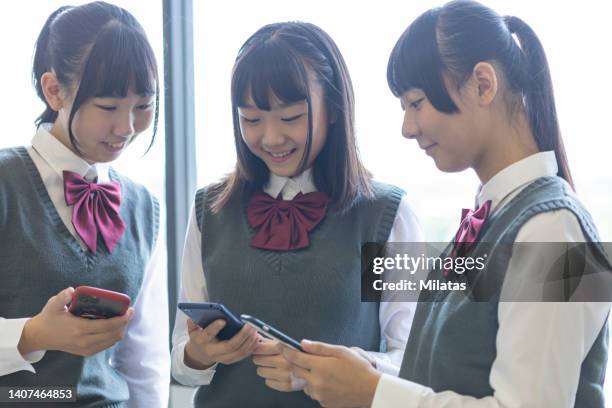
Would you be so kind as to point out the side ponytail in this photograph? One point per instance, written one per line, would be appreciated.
(536, 85)
(42, 63)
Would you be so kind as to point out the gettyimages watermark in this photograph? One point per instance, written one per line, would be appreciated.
(516, 272)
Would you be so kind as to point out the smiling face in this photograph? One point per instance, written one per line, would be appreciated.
(104, 126)
(279, 136)
(454, 141)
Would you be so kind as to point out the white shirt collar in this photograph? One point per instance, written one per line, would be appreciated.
(290, 186)
(515, 176)
(61, 158)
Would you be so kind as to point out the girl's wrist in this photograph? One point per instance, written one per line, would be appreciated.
(372, 384)
(192, 362)
(27, 342)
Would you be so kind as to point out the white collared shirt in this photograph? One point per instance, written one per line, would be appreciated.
(540, 346)
(395, 317)
(142, 355)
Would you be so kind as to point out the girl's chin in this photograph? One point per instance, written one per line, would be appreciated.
(104, 157)
(449, 167)
(289, 172)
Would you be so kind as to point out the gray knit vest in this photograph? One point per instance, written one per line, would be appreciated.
(311, 293)
(39, 257)
(452, 342)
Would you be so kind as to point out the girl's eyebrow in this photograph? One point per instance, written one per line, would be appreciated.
(413, 93)
(410, 99)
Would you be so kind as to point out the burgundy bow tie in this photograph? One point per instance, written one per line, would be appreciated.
(283, 225)
(95, 209)
(472, 222)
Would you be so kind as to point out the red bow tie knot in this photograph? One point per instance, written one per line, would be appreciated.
(472, 222)
(283, 225)
(95, 209)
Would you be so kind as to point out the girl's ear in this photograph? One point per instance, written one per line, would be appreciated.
(486, 82)
(52, 90)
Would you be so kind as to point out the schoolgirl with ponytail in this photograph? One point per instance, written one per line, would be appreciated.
(477, 93)
(68, 219)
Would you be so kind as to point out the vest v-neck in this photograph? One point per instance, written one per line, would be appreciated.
(277, 258)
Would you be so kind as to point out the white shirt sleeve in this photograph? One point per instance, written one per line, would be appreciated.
(396, 316)
(10, 359)
(193, 289)
(526, 372)
(142, 356)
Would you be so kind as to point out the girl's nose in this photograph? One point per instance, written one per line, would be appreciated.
(272, 136)
(124, 126)
(409, 127)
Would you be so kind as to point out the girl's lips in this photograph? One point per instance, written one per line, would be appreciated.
(114, 147)
(429, 148)
(280, 157)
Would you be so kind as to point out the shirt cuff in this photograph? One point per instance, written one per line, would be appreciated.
(383, 362)
(386, 367)
(394, 392)
(11, 359)
(187, 375)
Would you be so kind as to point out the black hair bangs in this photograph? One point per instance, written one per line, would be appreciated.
(415, 62)
(120, 59)
(269, 67)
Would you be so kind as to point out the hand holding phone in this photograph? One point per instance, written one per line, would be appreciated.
(205, 313)
(210, 322)
(273, 367)
(270, 332)
(54, 328)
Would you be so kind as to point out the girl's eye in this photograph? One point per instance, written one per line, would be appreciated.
(146, 106)
(292, 118)
(107, 108)
(416, 104)
(250, 121)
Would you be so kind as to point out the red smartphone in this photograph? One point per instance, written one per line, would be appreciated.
(96, 303)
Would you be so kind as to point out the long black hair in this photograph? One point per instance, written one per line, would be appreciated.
(95, 50)
(449, 41)
(276, 58)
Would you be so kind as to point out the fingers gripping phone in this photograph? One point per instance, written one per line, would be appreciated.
(271, 333)
(96, 303)
(205, 313)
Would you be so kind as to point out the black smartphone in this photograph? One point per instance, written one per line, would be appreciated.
(270, 332)
(205, 313)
